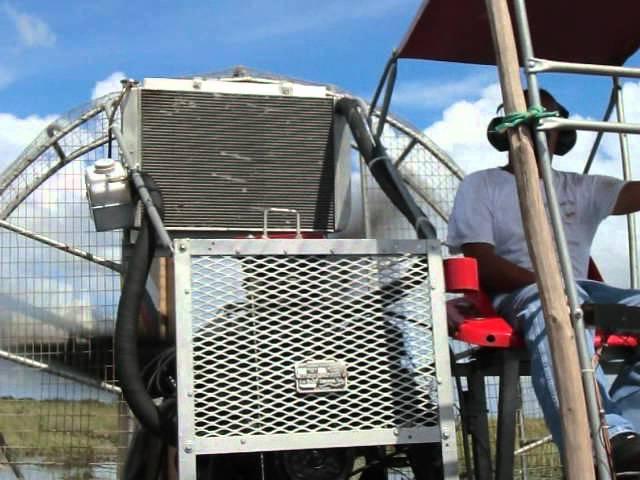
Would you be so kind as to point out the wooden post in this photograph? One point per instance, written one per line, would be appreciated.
(577, 455)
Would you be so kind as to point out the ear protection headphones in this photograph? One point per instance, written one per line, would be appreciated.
(566, 138)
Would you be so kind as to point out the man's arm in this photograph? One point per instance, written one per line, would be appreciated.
(628, 199)
(497, 275)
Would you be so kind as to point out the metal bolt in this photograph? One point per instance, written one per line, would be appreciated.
(186, 291)
(187, 447)
(531, 63)
(182, 247)
(396, 431)
(243, 441)
(445, 434)
(189, 394)
(439, 380)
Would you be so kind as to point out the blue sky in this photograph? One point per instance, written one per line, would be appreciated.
(52, 54)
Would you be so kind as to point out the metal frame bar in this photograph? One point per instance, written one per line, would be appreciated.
(626, 172)
(184, 358)
(596, 143)
(443, 361)
(588, 377)
(21, 164)
(588, 125)
(15, 203)
(443, 157)
(60, 372)
(540, 65)
(116, 267)
(402, 157)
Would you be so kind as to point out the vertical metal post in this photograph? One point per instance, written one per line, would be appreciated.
(522, 431)
(626, 171)
(507, 405)
(596, 143)
(478, 422)
(588, 377)
(364, 191)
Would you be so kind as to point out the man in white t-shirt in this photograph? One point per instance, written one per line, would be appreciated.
(486, 224)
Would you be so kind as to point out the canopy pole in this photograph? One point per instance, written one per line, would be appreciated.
(596, 420)
(577, 451)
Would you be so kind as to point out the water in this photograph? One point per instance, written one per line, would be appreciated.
(59, 472)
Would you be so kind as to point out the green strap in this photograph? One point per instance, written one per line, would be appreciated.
(531, 116)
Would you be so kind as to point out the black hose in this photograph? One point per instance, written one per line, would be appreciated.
(126, 331)
(382, 168)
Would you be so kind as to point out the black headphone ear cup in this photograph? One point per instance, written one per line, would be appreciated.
(566, 141)
(566, 138)
(498, 140)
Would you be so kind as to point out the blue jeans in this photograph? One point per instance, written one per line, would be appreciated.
(523, 309)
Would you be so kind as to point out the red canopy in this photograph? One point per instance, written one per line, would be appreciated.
(583, 31)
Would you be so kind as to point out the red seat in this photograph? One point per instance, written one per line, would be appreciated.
(482, 326)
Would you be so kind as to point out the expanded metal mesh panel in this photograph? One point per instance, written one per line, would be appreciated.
(259, 321)
(221, 159)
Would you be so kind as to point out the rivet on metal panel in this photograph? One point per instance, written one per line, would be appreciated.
(445, 434)
(396, 431)
(237, 252)
(243, 441)
(188, 448)
(186, 291)
(189, 394)
(439, 380)
(182, 247)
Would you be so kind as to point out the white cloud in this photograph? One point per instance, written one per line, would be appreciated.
(108, 85)
(462, 133)
(33, 31)
(439, 94)
(16, 133)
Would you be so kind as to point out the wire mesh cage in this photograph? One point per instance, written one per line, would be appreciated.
(60, 411)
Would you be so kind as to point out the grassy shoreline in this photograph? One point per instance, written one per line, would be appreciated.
(68, 432)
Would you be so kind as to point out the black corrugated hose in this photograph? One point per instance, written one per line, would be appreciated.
(158, 424)
(382, 167)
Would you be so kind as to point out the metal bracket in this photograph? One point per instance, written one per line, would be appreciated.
(265, 224)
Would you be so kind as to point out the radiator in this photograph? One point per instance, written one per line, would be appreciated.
(222, 158)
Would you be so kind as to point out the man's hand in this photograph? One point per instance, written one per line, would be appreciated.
(458, 310)
(497, 275)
